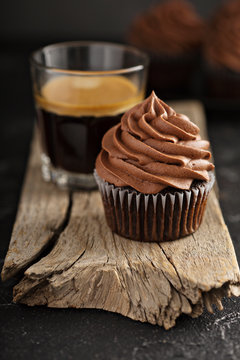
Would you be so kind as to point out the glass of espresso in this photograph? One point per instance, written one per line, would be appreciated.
(81, 89)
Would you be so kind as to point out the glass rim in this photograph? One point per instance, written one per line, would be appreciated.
(130, 48)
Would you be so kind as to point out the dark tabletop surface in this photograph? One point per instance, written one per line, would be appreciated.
(41, 333)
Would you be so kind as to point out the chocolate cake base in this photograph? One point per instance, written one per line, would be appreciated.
(167, 215)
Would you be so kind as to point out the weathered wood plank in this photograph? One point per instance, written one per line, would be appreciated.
(90, 267)
(41, 212)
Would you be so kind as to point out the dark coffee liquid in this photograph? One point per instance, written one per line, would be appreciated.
(73, 143)
(74, 113)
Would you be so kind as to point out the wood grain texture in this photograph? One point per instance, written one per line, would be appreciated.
(41, 214)
(90, 267)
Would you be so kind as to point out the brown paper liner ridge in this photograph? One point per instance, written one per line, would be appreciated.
(164, 216)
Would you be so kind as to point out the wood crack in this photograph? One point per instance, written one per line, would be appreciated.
(173, 265)
(56, 234)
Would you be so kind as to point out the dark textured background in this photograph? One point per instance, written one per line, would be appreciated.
(57, 20)
(39, 333)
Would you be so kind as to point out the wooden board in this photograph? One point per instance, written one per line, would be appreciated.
(70, 258)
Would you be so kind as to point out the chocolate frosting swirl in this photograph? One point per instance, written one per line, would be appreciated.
(171, 28)
(222, 47)
(152, 148)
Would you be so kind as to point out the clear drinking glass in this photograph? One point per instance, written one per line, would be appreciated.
(81, 89)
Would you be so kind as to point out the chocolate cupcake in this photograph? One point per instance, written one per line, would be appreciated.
(172, 34)
(222, 53)
(154, 173)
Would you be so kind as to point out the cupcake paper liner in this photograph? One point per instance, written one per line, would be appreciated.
(167, 215)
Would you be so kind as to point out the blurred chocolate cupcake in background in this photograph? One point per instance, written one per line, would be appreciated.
(172, 34)
(221, 53)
